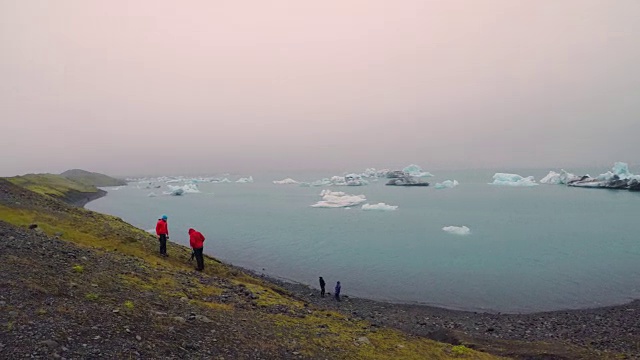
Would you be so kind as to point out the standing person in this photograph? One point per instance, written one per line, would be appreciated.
(196, 240)
(322, 283)
(338, 287)
(162, 230)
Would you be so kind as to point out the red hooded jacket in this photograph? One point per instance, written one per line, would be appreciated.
(196, 239)
(162, 228)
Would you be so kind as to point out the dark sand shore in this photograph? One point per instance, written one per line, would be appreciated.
(610, 330)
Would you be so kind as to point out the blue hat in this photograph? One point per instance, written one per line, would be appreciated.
(164, 217)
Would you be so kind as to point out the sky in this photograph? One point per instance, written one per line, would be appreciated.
(170, 87)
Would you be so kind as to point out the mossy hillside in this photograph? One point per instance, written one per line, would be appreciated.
(52, 185)
(92, 178)
(288, 322)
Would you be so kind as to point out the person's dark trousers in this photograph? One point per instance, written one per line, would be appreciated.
(199, 258)
(338, 297)
(163, 244)
(322, 292)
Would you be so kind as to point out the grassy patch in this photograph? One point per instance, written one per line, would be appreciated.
(50, 184)
(461, 350)
(92, 296)
(78, 268)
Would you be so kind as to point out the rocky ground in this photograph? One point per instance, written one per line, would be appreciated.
(62, 301)
(603, 331)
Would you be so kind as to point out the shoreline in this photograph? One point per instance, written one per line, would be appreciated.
(604, 328)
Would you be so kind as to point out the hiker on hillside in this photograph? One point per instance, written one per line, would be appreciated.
(162, 230)
(322, 283)
(338, 287)
(196, 240)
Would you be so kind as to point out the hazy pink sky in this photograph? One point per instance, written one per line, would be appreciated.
(131, 87)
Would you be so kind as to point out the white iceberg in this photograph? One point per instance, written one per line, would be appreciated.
(322, 182)
(554, 178)
(457, 230)
(225, 180)
(285, 181)
(152, 194)
(447, 184)
(337, 199)
(416, 171)
(379, 207)
(512, 180)
(245, 180)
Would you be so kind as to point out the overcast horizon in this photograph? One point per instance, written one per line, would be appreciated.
(158, 87)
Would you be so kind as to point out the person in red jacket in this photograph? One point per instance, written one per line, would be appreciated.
(196, 240)
(162, 230)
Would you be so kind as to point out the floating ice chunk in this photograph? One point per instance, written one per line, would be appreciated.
(336, 199)
(416, 171)
(354, 180)
(457, 230)
(552, 178)
(285, 181)
(621, 170)
(187, 188)
(512, 180)
(447, 184)
(322, 182)
(152, 194)
(225, 180)
(379, 207)
(245, 180)
(176, 192)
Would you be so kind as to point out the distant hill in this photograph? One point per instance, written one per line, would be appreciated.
(58, 187)
(92, 178)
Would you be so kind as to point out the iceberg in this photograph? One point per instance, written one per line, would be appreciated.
(457, 230)
(347, 180)
(187, 188)
(379, 207)
(512, 180)
(245, 180)
(338, 199)
(152, 194)
(176, 192)
(621, 170)
(619, 178)
(416, 171)
(406, 181)
(564, 177)
(447, 184)
(285, 181)
(552, 178)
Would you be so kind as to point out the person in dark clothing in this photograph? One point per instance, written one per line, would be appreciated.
(162, 230)
(196, 240)
(322, 283)
(338, 287)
